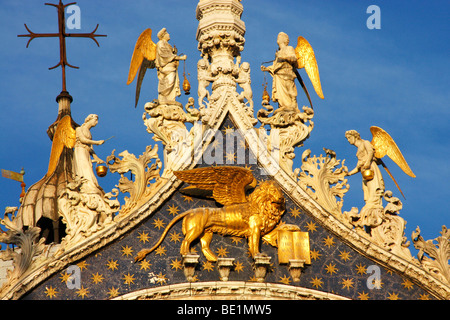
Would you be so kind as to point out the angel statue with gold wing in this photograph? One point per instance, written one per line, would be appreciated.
(81, 140)
(65, 166)
(284, 72)
(370, 154)
(163, 57)
(82, 155)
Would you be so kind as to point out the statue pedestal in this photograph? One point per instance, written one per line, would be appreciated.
(261, 265)
(295, 269)
(190, 261)
(225, 265)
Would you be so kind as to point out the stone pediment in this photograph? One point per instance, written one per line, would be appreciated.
(97, 257)
(342, 261)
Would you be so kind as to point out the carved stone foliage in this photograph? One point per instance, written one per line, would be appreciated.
(85, 213)
(382, 225)
(434, 254)
(167, 123)
(143, 171)
(391, 230)
(27, 247)
(289, 128)
(323, 180)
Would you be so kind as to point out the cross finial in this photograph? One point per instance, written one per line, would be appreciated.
(62, 39)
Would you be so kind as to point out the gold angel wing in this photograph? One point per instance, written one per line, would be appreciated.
(227, 183)
(385, 145)
(145, 48)
(306, 59)
(64, 136)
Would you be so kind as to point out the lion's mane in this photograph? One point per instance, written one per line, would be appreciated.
(268, 202)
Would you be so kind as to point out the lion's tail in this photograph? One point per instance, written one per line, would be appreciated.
(144, 252)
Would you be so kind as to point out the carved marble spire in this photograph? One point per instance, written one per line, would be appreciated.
(220, 36)
(220, 27)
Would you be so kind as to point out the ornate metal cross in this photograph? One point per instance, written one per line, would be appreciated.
(62, 38)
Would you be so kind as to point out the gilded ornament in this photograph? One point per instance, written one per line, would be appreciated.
(265, 96)
(368, 174)
(293, 245)
(306, 59)
(250, 216)
(143, 57)
(101, 170)
(385, 145)
(186, 86)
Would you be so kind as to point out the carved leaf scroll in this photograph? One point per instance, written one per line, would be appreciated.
(324, 180)
(142, 170)
(438, 252)
(28, 248)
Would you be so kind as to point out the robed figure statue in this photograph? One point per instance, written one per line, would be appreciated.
(163, 57)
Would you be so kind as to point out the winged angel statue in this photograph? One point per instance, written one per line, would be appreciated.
(284, 71)
(81, 140)
(41, 198)
(163, 57)
(370, 154)
(252, 216)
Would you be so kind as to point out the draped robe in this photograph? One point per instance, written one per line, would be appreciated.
(167, 69)
(284, 90)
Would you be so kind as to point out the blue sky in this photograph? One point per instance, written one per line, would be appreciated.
(396, 77)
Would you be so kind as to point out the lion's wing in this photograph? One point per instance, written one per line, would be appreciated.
(227, 183)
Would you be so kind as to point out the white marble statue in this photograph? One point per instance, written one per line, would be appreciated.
(83, 151)
(284, 90)
(163, 57)
(167, 68)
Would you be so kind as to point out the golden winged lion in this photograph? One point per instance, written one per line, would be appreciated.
(251, 216)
